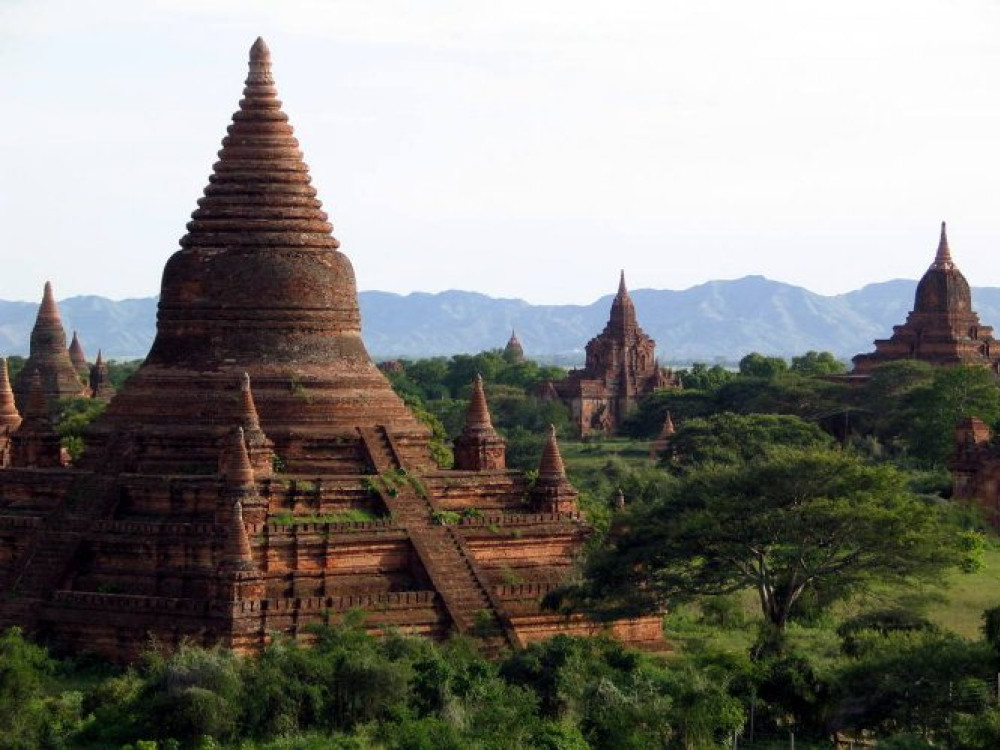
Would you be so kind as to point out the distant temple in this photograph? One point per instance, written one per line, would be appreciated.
(50, 358)
(219, 494)
(513, 352)
(942, 329)
(621, 368)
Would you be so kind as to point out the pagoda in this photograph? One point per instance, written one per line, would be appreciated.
(513, 352)
(49, 357)
(621, 367)
(258, 475)
(942, 329)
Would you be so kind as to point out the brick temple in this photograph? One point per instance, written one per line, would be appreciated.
(975, 467)
(257, 474)
(942, 329)
(621, 368)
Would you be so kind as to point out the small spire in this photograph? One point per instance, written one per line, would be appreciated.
(9, 416)
(942, 259)
(236, 467)
(622, 289)
(238, 552)
(551, 466)
(249, 416)
(478, 413)
(668, 426)
(78, 357)
(99, 362)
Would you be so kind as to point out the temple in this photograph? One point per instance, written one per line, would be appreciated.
(258, 475)
(50, 358)
(513, 352)
(621, 367)
(942, 329)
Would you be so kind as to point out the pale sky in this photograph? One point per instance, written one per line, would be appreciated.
(523, 148)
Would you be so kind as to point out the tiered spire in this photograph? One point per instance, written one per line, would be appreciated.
(260, 180)
(514, 351)
(78, 357)
(10, 419)
(249, 417)
(942, 258)
(623, 318)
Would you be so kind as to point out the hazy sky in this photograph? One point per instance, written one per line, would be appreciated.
(523, 148)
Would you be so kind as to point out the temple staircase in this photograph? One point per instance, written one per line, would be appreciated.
(453, 571)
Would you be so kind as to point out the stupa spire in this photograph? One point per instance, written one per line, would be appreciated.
(478, 413)
(942, 258)
(249, 417)
(78, 357)
(9, 416)
(238, 553)
(551, 466)
(100, 379)
(236, 466)
(623, 317)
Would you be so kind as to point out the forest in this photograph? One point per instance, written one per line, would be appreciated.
(817, 583)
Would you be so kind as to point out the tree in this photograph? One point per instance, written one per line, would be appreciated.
(704, 378)
(758, 366)
(935, 408)
(733, 438)
(784, 524)
(814, 363)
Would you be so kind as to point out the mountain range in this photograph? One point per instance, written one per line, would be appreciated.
(718, 321)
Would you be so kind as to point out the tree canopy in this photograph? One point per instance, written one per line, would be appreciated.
(781, 525)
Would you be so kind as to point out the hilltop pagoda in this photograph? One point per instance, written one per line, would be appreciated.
(621, 368)
(49, 357)
(942, 329)
(513, 352)
(258, 474)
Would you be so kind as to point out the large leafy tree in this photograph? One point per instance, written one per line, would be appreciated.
(792, 521)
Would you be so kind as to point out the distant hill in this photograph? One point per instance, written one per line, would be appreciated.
(718, 320)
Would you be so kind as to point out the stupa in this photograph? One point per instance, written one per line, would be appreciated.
(49, 356)
(78, 357)
(99, 378)
(942, 329)
(621, 367)
(258, 475)
(513, 351)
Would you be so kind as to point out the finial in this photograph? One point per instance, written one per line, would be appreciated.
(942, 259)
(100, 359)
(260, 64)
(622, 289)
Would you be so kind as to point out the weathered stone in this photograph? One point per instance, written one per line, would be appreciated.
(942, 329)
(553, 492)
(208, 510)
(35, 444)
(49, 357)
(479, 447)
(621, 367)
(78, 358)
